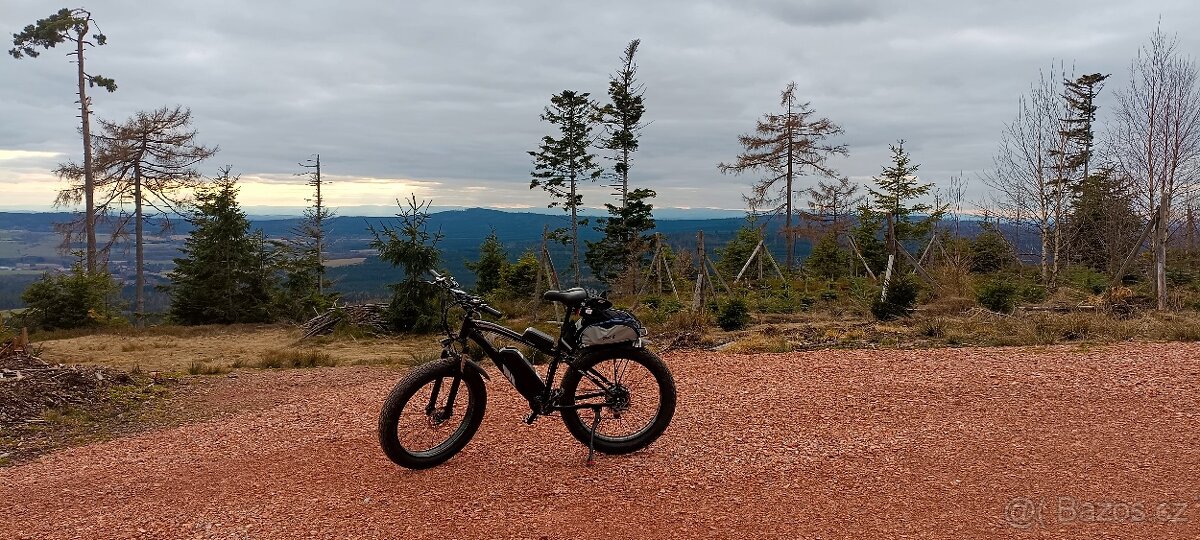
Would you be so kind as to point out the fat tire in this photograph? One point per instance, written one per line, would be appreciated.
(581, 428)
(389, 415)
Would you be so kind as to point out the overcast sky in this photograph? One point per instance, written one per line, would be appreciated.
(442, 98)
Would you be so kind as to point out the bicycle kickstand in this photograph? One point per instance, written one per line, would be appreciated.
(591, 459)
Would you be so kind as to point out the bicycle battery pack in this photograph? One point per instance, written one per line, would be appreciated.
(519, 372)
(539, 339)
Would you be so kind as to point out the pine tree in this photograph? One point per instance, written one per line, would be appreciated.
(895, 198)
(625, 238)
(785, 146)
(72, 25)
(415, 306)
(224, 276)
(561, 163)
(491, 266)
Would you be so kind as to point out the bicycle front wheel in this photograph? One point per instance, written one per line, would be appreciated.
(431, 414)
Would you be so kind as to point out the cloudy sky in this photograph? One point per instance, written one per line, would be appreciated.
(442, 99)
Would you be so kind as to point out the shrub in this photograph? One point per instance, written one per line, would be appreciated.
(901, 297)
(1032, 292)
(202, 367)
(990, 252)
(1180, 277)
(933, 327)
(999, 295)
(74, 299)
(1088, 280)
(291, 358)
(734, 314)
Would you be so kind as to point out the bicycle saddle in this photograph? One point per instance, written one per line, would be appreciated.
(569, 297)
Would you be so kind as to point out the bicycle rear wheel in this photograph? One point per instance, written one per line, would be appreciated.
(634, 390)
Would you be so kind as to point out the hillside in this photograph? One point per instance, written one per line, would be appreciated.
(28, 246)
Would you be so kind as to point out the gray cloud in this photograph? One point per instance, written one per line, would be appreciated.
(451, 92)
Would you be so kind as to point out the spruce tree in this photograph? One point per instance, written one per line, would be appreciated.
(415, 306)
(625, 237)
(560, 164)
(896, 197)
(224, 276)
(491, 266)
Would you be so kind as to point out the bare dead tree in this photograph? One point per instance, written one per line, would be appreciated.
(147, 162)
(1028, 176)
(831, 203)
(313, 227)
(1155, 138)
(785, 146)
(72, 25)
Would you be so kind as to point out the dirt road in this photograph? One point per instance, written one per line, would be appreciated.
(967, 443)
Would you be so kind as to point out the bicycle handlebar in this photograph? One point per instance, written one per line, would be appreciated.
(462, 298)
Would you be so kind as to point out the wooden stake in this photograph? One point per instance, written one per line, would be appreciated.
(887, 277)
(701, 272)
(1137, 246)
(717, 273)
(917, 268)
(748, 261)
(866, 266)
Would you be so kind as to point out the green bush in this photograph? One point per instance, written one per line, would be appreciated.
(1032, 292)
(734, 314)
(1088, 280)
(1180, 277)
(74, 299)
(901, 297)
(990, 252)
(999, 295)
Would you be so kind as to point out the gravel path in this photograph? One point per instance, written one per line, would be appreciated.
(960, 443)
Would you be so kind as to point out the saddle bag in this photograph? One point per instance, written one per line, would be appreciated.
(601, 325)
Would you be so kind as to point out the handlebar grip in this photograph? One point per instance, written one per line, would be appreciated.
(490, 310)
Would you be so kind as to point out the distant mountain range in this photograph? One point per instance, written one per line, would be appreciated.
(28, 243)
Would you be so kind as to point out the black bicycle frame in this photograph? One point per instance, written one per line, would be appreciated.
(542, 399)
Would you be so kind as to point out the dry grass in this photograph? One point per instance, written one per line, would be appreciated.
(176, 349)
(202, 367)
(295, 358)
(780, 333)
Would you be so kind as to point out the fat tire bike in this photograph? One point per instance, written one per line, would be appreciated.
(616, 399)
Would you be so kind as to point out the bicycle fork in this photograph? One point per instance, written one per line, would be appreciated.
(436, 414)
